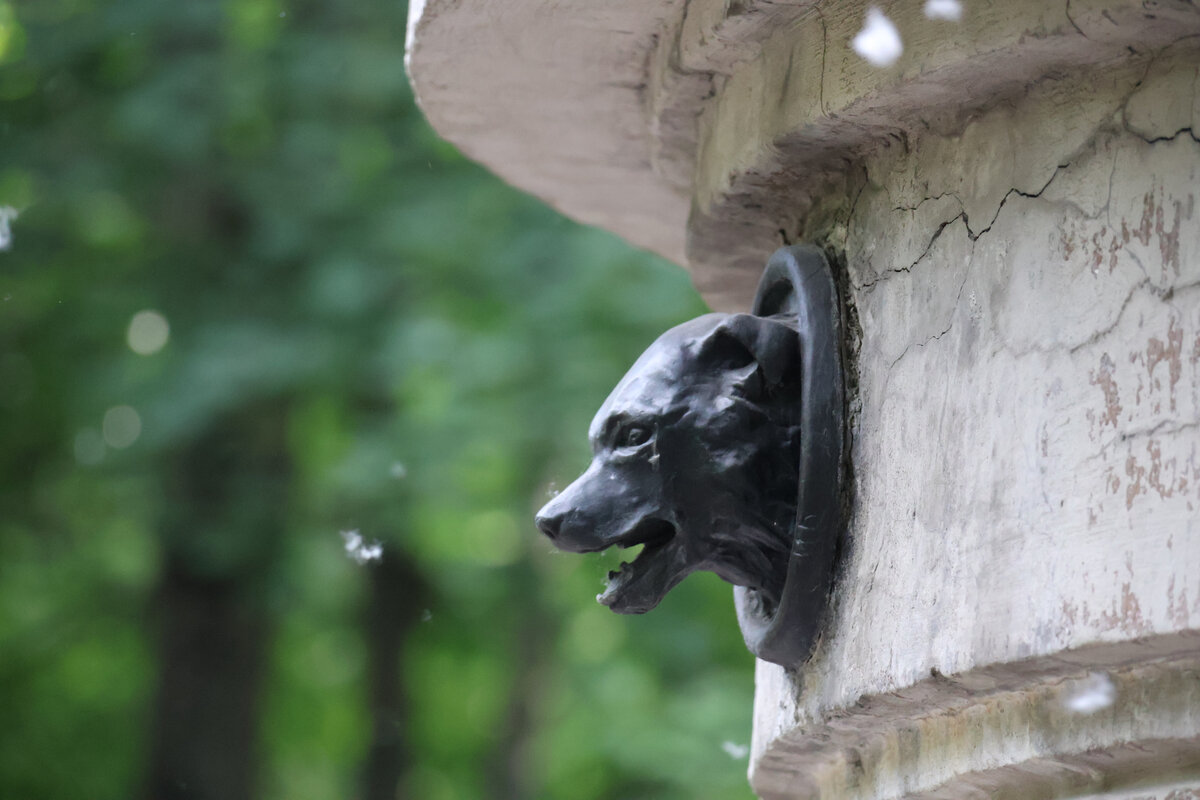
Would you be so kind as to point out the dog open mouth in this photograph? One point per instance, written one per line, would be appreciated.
(637, 587)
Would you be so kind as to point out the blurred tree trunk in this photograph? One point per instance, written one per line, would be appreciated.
(210, 665)
(224, 517)
(508, 768)
(396, 596)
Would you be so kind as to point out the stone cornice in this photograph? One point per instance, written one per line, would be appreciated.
(708, 131)
(1006, 730)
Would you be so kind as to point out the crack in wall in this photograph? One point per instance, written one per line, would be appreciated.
(925, 200)
(868, 285)
(1166, 427)
(1029, 195)
(1070, 19)
(1144, 285)
(922, 344)
(1157, 139)
(949, 325)
(824, 54)
(1096, 336)
(972, 235)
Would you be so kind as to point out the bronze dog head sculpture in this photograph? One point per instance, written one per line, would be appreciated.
(722, 450)
(695, 456)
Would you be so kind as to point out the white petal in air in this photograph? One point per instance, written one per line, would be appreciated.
(735, 751)
(943, 9)
(7, 215)
(1092, 694)
(359, 550)
(878, 41)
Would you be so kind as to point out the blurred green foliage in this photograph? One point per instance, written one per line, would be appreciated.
(432, 343)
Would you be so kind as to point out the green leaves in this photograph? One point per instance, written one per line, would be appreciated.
(390, 340)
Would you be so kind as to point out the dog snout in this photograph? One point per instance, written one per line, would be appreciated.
(568, 520)
(565, 529)
(595, 511)
(551, 525)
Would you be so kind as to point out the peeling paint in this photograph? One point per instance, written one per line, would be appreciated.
(1170, 352)
(1153, 225)
(1103, 377)
(1177, 605)
(1126, 614)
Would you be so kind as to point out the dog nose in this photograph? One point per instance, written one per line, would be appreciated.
(549, 525)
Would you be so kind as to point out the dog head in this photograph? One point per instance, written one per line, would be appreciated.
(695, 458)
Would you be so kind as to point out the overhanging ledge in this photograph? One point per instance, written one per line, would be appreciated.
(707, 131)
(549, 96)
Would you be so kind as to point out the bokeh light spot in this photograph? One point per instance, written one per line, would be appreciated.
(122, 426)
(89, 447)
(148, 332)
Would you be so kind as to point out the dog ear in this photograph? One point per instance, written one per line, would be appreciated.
(757, 349)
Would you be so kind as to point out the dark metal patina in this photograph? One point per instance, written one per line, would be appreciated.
(698, 453)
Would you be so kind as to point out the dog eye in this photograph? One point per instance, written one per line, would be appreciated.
(633, 436)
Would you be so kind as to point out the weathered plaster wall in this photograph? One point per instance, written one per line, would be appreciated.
(1015, 204)
(1027, 436)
